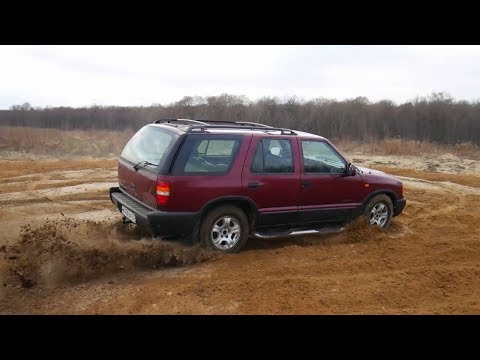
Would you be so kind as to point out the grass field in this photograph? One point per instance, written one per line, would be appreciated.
(16, 142)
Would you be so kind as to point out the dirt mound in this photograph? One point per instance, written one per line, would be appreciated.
(69, 251)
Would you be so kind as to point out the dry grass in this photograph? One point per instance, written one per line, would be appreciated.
(408, 147)
(58, 143)
(53, 143)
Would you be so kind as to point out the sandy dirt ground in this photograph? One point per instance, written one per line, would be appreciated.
(64, 250)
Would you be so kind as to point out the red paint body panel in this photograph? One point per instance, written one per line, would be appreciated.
(276, 192)
(192, 192)
(378, 180)
(141, 184)
(330, 190)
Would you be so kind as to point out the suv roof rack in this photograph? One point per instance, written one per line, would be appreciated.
(241, 123)
(202, 125)
(187, 121)
(202, 128)
(253, 123)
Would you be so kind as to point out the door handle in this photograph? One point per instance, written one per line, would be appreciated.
(253, 185)
(306, 184)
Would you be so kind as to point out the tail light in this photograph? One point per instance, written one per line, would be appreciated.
(163, 192)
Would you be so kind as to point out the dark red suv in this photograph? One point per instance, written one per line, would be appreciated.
(220, 182)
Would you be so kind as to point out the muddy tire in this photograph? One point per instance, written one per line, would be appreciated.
(379, 211)
(224, 229)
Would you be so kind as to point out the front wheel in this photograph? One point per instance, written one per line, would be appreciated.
(379, 211)
(224, 229)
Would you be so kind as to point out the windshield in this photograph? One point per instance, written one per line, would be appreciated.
(149, 144)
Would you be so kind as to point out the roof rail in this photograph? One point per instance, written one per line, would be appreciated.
(186, 121)
(243, 123)
(252, 123)
(202, 128)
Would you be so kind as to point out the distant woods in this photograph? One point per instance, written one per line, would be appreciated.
(436, 118)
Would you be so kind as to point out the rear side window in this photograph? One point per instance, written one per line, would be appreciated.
(273, 156)
(216, 147)
(201, 155)
(150, 144)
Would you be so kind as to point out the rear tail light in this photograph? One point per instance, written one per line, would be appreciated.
(163, 192)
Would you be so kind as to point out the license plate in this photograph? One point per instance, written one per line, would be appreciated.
(128, 214)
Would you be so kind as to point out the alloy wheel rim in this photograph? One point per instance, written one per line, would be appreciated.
(379, 215)
(225, 232)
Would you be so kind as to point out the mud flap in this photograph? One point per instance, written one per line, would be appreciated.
(193, 238)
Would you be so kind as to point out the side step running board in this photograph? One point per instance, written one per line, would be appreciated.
(126, 221)
(295, 232)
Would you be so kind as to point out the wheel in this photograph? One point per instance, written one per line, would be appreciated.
(379, 211)
(225, 229)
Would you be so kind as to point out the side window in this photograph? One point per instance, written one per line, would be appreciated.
(202, 147)
(210, 156)
(273, 156)
(219, 147)
(320, 158)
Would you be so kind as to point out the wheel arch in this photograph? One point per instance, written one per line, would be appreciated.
(390, 193)
(245, 204)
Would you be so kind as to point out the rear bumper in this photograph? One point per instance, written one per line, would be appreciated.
(159, 222)
(398, 206)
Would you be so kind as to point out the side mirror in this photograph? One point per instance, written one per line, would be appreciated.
(351, 170)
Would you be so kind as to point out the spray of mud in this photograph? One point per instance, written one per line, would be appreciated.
(357, 231)
(360, 231)
(68, 251)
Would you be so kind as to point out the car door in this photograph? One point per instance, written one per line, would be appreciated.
(327, 193)
(271, 178)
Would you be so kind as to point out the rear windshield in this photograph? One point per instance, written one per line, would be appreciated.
(150, 144)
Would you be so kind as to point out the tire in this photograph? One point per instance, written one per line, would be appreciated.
(379, 211)
(224, 229)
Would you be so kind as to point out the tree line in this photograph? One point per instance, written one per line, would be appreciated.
(437, 118)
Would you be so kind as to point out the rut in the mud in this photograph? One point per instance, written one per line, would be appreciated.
(69, 251)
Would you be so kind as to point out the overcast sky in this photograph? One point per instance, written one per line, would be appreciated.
(143, 75)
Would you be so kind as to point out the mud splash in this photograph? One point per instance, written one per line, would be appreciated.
(69, 251)
(360, 231)
(355, 232)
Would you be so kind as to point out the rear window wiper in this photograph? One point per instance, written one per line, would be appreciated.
(144, 163)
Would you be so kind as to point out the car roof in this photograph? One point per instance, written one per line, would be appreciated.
(222, 129)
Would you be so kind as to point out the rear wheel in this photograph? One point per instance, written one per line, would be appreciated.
(379, 211)
(224, 229)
